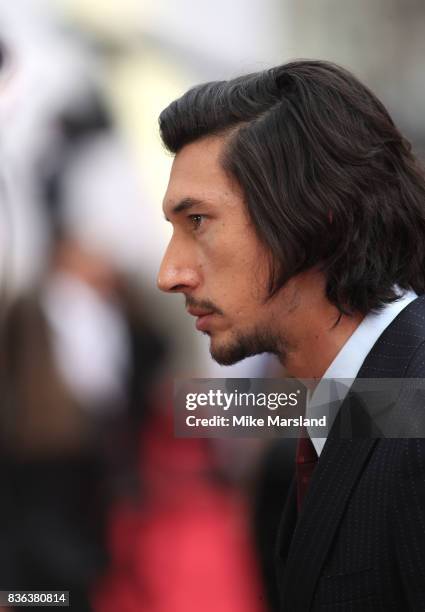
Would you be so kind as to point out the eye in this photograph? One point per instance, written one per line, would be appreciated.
(196, 221)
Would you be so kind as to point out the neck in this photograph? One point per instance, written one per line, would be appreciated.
(315, 351)
(314, 329)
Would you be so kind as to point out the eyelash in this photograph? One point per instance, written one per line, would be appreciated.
(196, 224)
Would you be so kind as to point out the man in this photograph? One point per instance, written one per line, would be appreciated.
(298, 212)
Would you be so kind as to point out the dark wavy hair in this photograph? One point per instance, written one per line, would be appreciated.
(328, 179)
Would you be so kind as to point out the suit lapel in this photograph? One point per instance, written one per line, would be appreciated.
(342, 461)
(337, 472)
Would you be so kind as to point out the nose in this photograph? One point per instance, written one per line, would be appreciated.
(177, 274)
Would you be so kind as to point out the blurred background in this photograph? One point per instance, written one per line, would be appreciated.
(98, 497)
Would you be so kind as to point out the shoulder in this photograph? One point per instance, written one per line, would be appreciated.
(416, 365)
(403, 461)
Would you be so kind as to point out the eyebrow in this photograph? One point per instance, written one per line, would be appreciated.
(184, 204)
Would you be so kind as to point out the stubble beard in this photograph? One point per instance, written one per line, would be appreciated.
(247, 344)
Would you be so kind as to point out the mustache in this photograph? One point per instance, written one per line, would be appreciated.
(203, 305)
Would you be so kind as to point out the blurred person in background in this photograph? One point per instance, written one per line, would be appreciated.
(46, 73)
(78, 353)
(79, 359)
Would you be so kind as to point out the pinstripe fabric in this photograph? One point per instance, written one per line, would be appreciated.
(359, 541)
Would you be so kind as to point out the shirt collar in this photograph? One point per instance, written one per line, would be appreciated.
(349, 360)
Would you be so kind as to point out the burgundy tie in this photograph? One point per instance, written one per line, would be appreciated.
(306, 460)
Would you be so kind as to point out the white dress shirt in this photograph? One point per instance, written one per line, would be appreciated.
(349, 360)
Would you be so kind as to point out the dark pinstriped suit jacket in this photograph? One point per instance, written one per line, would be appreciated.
(359, 541)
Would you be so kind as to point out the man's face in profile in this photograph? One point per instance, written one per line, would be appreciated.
(216, 259)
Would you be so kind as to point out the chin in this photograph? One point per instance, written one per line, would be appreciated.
(241, 347)
(227, 357)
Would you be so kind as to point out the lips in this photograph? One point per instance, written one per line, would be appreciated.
(197, 312)
(204, 317)
(203, 322)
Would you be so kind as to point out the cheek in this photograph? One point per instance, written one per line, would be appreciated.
(230, 249)
(218, 255)
(254, 273)
(235, 265)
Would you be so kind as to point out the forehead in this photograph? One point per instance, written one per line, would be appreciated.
(197, 173)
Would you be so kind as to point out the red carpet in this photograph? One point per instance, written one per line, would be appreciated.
(187, 548)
